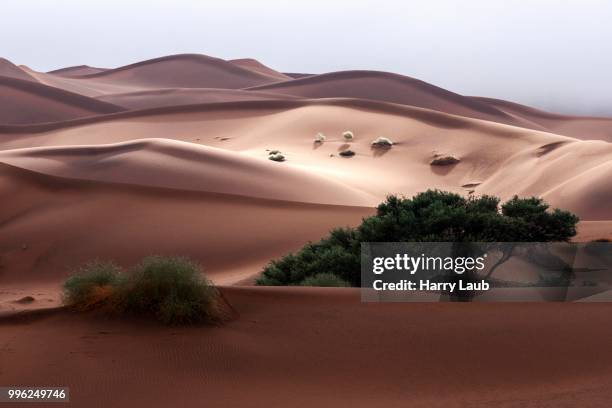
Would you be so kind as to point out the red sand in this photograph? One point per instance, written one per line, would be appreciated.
(305, 347)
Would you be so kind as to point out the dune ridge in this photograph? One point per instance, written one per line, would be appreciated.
(8, 69)
(158, 98)
(24, 102)
(256, 66)
(185, 166)
(133, 221)
(77, 70)
(185, 70)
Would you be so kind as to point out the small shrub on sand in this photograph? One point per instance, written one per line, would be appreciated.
(172, 290)
(319, 138)
(277, 157)
(169, 289)
(92, 284)
(348, 136)
(325, 280)
(444, 161)
(273, 152)
(347, 153)
(382, 142)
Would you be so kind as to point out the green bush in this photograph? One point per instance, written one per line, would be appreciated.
(434, 216)
(92, 283)
(169, 289)
(325, 280)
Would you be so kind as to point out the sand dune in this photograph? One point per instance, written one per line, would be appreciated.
(306, 347)
(28, 102)
(50, 225)
(296, 75)
(580, 127)
(388, 87)
(400, 89)
(494, 158)
(8, 69)
(256, 66)
(186, 166)
(174, 71)
(77, 70)
(573, 175)
(184, 71)
(185, 96)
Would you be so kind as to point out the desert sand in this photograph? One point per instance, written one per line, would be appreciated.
(170, 156)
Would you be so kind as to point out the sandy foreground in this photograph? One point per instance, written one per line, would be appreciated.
(170, 156)
(315, 347)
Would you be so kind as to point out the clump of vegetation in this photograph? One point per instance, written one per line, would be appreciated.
(169, 289)
(279, 157)
(172, 290)
(347, 153)
(432, 216)
(444, 161)
(348, 136)
(271, 152)
(92, 284)
(382, 142)
(325, 280)
(319, 138)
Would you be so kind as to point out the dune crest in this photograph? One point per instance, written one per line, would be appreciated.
(185, 166)
(256, 66)
(8, 69)
(77, 70)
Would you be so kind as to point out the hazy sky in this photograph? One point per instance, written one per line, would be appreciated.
(553, 54)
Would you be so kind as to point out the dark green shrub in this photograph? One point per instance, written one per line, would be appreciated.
(434, 216)
(92, 284)
(169, 289)
(325, 280)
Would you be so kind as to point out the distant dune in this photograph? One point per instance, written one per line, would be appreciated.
(386, 87)
(10, 70)
(186, 96)
(77, 70)
(184, 71)
(28, 102)
(580, 127)
(256, 66)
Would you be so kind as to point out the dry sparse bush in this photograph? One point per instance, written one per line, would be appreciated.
(444, 161)
(319, 138)
(382, 142)
(348, 135)
(277, 157)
